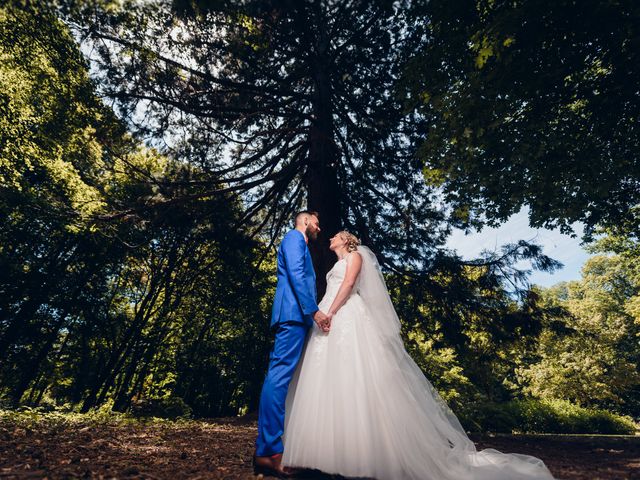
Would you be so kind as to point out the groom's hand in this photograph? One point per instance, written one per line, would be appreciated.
(323, 321)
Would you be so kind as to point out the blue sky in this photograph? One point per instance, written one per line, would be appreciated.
(556, 245)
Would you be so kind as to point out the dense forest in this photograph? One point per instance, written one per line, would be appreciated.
(153, 153)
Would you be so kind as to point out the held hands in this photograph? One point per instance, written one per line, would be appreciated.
(323, 320)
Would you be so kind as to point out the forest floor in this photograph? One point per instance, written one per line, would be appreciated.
(107, 446)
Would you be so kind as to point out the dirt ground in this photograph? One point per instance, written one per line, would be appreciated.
(61, 448)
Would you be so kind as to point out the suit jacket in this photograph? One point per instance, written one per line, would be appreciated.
(295, 299)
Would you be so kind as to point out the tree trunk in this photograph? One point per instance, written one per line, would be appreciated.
(37, 288)
(121, 397)
(112, 368)
(322, 176)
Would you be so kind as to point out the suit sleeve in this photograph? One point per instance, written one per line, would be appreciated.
(293, 250)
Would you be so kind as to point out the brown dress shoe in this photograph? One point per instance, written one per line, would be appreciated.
(269, 465)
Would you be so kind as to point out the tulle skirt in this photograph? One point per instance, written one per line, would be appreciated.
(358, 406)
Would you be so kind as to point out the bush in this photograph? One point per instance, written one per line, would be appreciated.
(489, 417)
(546, 416)
(167, 407)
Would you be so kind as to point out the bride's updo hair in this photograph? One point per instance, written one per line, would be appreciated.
(351, 239)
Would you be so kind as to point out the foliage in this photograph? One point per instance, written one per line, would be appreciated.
(168, 407)
(53, 129)
(34, 418)
(466, 331)
(533, 103)
(96, 308)
(574, 342)
(547, 416)
(594, 358)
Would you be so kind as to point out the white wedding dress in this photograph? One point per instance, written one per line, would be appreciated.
(358, 405)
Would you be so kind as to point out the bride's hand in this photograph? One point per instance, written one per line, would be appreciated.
(326, 325)
(329, 318)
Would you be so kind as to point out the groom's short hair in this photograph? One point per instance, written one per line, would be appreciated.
(304, 212)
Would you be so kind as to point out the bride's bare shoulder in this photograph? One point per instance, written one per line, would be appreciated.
(354, 256)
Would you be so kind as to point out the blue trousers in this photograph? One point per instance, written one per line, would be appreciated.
(283, 360)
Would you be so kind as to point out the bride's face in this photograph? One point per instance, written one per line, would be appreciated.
(336, 242)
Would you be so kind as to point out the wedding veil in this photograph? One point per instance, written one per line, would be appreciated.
(373, 290)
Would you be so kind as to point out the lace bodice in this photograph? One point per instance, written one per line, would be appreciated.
(337, 273)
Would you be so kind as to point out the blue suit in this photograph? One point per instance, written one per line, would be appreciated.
(294, 304)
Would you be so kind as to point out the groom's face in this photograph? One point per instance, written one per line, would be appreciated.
(313, 227)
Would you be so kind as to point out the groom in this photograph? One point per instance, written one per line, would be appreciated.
(294, 311)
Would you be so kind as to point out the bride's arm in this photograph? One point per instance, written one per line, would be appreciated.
(354, 263)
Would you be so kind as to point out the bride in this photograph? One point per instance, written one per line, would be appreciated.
(358, 405)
